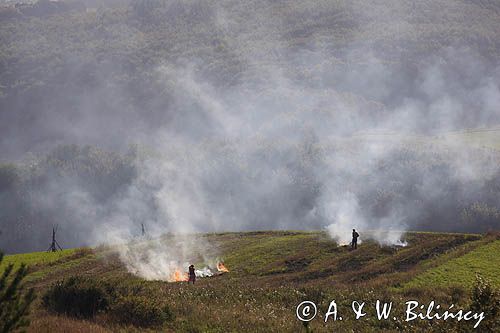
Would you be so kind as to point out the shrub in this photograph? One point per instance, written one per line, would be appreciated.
(140, 311)
(486, 299)
(78, 297)
(14, 305)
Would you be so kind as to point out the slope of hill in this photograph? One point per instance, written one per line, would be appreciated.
(271, 272)
(226, 115)
(462, 270)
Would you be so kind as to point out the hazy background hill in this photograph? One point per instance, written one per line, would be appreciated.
(63, 71)
(248, 115)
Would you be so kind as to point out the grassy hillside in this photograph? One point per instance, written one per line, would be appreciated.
(271, 272)
(35, 258)
(462, 270)
(42, 263)
(124, 117)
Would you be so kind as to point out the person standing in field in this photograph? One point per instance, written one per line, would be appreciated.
(192, 274)
(355, 235)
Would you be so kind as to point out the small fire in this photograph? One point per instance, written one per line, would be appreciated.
(178, 276)
(221, 268)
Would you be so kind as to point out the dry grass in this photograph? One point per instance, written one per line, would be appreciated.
(60, 324)
(270, 273)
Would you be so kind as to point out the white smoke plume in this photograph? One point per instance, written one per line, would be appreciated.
(318, 135)
(268, 163)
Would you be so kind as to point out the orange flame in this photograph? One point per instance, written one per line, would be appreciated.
(222, 268)
(179, 276)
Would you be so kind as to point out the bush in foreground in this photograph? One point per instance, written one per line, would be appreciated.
(77, 297)
(14, 305)
(486, 298)
(85, 297)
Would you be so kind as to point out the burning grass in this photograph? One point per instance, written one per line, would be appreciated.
(180, 275)
(271, 272)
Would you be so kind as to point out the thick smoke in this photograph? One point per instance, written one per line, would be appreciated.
(269, 164)
(299, 136)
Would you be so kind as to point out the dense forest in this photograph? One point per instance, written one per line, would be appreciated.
(259, 112)
(79, 188)
(100, 60)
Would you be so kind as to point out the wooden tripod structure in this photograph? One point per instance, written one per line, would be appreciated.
(54, 245)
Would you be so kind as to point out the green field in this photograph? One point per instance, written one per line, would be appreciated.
(35, 258)
(270, 273)
(41, 264)
(462, 270)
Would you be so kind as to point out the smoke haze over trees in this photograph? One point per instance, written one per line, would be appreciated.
(201, 116)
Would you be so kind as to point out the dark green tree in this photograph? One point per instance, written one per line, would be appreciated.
(14, 303)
